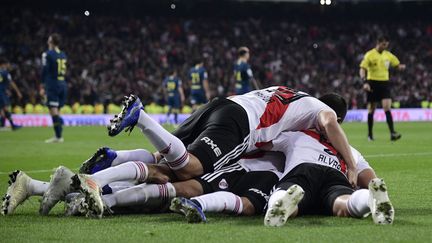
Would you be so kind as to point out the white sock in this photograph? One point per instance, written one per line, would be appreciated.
(37, 188)
(358, 203)
(276, 196)
(129, 171)
(121, 185)
(132, 155)
(140, 195)
(220, 202)
(167, 144)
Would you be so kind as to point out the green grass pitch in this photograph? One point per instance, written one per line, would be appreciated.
(406, 165)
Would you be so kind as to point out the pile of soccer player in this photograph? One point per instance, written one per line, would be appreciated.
(226, 158)
(109, 56)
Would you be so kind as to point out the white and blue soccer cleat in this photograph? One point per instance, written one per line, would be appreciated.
(278, 213)
(127, 118)
(100, 160)
(93, 204)
(382, 210)
(58, 188)
(189, 209)
(16, 193)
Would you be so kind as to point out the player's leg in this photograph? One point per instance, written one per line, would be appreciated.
(106, 157)
(386, 104)
(53, 103)
(365, 177)
(371, 106)
(21, 187)
(8, 115)
(213, 200)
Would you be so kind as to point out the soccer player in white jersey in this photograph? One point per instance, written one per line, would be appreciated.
(221, 131)
(315, 182)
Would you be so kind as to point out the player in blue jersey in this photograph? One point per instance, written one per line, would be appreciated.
(243, 75)
(54, 63)
(200, 90)
(175, 95)
(5, 82)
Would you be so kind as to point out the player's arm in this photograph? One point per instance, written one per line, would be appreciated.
(180, 89)
(396, 63)
(206, 86)
(363, 72)
(255, 83)
(16, 89)
(327, 122)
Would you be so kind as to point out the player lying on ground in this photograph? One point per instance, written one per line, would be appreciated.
(236, 178)
(221, 131)
(315, 182)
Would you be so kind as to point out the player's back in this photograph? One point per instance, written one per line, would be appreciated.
(171, 84)
(275, 109)
(243, 74)
(197, 75)
(54, 67)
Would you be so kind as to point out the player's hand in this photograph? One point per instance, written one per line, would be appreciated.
(352, 177)
(401, 67)
(366, 87)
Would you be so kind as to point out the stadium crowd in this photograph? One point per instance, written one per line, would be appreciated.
(109, 57)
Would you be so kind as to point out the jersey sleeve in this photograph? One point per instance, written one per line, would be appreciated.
(394, 60)
(362, 164)
(365, 62)
(249, 71)
(205, 75)
(45, 66)
(179, 83)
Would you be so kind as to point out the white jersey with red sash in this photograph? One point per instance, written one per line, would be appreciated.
(309, 147)
(276, 109)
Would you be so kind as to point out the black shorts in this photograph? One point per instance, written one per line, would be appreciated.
(254, 185)
(56, 95)
(322, 185)
(379, 90)
(217, 133)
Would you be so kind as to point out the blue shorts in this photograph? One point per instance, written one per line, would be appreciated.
(56, 96)
(4, 100)
(174, 102)
(198, 98)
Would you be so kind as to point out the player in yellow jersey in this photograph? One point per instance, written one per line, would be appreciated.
(374, 70)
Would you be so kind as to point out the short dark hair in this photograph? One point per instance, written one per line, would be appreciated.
(382, 38)
(242, 51)
(337, 103)
(3, 60)
(56, 39)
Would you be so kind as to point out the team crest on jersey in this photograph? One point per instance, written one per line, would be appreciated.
(223, 184)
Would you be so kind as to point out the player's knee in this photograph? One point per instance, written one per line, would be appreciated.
(248, 207)
(192, 169)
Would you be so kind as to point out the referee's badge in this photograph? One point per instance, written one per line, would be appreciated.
(387, 63)
(223, 184)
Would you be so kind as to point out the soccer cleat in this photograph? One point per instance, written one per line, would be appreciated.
(371, 138)
(101, 160)
(395, 136)
(278, 213)
(16, 127)
(75, 204)
(92, 193)
(58, 188)
(379, 203)
(127, 118)
(189, 209)
(16, 193)
(54, 140)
